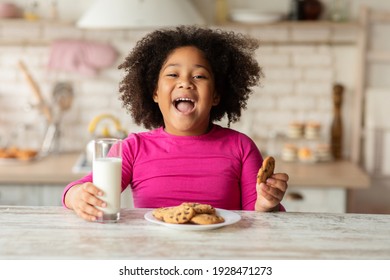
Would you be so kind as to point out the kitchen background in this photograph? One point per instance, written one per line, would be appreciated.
(302, 62)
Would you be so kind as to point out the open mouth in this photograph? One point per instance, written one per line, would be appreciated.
(184, 105)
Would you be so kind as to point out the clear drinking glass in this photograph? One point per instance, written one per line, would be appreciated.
(107, 176)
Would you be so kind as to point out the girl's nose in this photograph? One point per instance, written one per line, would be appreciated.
(185, 83)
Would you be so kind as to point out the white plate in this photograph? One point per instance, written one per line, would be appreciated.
(229, 216)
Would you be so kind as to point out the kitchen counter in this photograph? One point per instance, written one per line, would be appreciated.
(53, 169)
(340, 173)
(57, 233)
(57, 169)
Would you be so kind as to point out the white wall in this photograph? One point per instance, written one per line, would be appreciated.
(336, 64)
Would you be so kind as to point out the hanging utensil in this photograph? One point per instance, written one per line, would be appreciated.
(62, 98)
(62, 101)
(36, 91)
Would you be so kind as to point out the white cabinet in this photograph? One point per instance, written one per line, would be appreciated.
(44, 195)
(14, 195)
(30, 195)
(51, 195)
(331, 200)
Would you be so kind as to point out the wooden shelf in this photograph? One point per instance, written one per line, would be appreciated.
(296, 24)
(20, 21)
(328, 32)
(300, 32)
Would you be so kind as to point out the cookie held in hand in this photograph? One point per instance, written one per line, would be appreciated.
(266, 170)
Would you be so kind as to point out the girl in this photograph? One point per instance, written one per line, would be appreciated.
(178, 83)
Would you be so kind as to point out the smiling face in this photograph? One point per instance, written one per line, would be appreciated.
(185, 92)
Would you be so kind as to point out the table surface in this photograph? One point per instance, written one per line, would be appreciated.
(57, 233)
(57, 169)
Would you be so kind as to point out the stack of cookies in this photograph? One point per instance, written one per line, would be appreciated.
(188, 213)
(295, 130)
(312, 130)
(289, 152)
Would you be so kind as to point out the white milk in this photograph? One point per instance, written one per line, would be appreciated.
(107, 176)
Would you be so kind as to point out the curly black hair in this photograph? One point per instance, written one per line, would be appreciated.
(231, 56)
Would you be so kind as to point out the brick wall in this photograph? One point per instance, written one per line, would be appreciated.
(300, 63)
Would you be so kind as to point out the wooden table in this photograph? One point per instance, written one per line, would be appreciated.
(57, 233)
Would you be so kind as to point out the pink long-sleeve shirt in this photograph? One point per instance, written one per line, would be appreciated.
(217, 168)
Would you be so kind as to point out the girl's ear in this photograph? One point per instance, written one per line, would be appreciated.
(216, 99)
(155, 98)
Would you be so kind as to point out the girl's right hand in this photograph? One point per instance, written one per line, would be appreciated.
(83, 200)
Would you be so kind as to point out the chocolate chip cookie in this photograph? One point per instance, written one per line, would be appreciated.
(266, 170)
(206, 219)
(200, 208)
(175, 215)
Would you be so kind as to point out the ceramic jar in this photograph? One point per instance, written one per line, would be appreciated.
(311, 9)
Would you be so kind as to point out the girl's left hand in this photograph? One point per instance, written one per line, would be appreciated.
(270, 195)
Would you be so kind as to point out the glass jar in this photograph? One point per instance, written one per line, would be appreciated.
(339, 10)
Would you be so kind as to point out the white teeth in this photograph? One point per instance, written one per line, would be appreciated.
(184, 99)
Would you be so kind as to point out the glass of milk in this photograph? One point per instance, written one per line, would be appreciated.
(107, 176)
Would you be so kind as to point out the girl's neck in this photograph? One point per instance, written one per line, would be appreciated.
(190, 133)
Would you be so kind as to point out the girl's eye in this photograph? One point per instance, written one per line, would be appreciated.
(172, 75)
(199, 77)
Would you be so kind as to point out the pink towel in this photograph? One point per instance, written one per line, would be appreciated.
(83, 57)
